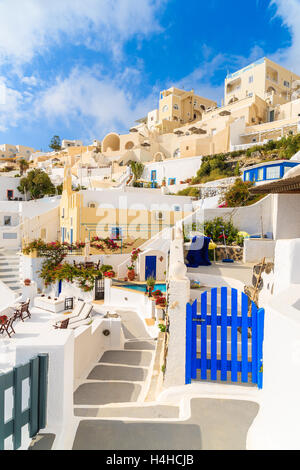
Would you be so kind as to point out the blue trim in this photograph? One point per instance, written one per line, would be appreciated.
(116, 233)
(153, 175)
(171, 179)
(253, 174)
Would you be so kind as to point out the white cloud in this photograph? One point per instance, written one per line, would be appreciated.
(289, 11)
(201, 78)
(10, 106)
(31, 27)
(98, 103)
(30, 81)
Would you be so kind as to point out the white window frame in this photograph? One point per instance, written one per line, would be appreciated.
(273, 172)
(260, 174)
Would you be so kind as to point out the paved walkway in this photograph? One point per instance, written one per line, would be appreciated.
(239, 271)
(113, 417)
(214, 425)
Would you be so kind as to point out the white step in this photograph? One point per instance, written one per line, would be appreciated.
(10, 273)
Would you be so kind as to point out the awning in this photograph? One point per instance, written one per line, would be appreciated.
(283, 186)
(142, 120)
(199, 131)
(178, 132)
(225, 113)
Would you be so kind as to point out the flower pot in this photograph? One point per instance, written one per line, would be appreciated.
(131, 274)
(27, 282)
(150, 290)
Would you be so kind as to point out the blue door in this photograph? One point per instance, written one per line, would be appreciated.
(150, 267)
(71, 236)
(116, 233)
(153, 175)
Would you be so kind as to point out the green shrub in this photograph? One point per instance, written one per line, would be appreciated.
(192, 192)
(214, 229)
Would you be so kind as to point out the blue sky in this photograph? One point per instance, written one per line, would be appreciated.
(81, 69)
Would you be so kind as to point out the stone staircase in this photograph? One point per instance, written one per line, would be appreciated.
(10, 269)
(115, 388)
(111, 412)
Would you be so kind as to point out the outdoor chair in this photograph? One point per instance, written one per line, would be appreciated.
(89, 264)
(22, 311)
(84, 314)
(76, 312)
(8, 326)
(63, 325)
(72, 326)
(67, 325)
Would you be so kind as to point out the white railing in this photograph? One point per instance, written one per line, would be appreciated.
(247, 146)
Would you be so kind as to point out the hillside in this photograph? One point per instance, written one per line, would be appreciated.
(224, 165)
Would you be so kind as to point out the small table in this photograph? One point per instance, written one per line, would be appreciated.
(51, 305)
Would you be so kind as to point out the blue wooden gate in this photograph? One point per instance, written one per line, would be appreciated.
(35, 414)
(227, 336)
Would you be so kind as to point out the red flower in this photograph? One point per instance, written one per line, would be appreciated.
(3, 319)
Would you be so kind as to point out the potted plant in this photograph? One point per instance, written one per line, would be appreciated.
(150, 284)
(157, 294)
(3, 319)
(131, 273)
(27, 282)
(109, 274)
(164, 182)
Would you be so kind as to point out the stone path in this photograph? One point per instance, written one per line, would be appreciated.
(214, 425)
(117, 420)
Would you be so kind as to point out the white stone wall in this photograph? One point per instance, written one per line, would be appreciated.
(60, 347)
(287, 264)
(256, 249)
(160, 264)
(178, 297)
(277, 425)
(90, 344)
(6, 183)
(251, 219)
(286, 218)
(128, 298)
(179, 168)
